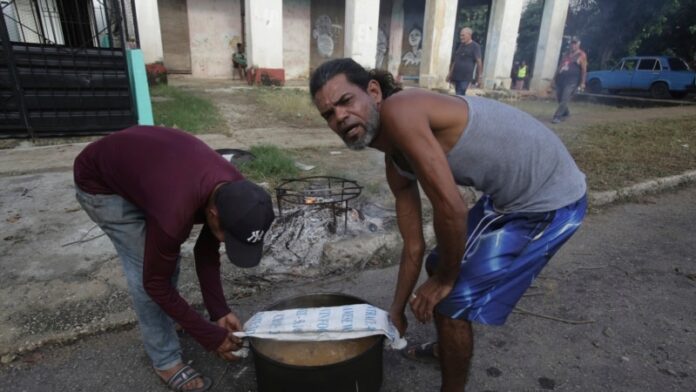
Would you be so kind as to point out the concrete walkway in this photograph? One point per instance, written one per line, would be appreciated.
(613, 311)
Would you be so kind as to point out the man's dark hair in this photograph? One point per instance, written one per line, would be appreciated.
(355, 73)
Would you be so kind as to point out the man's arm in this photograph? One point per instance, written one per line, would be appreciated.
(159, 264)
(207, 255)
(583, 69)
(410, 222)
(479, 66)
(410, 129)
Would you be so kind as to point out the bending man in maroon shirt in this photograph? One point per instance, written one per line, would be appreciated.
(146, 187)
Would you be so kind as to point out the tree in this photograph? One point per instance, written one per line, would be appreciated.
(611, 29)
(528, 34)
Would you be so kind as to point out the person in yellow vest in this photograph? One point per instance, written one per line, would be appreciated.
(521, 75)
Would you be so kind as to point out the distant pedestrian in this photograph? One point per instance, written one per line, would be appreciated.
(239, 62)
(466, 61)
(521, 76)
(513, 74)
(570, 77)
(146, 187)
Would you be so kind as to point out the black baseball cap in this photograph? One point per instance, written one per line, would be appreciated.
(245, 211)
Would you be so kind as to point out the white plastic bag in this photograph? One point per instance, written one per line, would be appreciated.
(321, 324)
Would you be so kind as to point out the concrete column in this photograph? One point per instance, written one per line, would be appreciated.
(149, 30)
(362, 22)
(264, 33)
(396, 35)
(501, 43)
(438, 27)
(549, 46)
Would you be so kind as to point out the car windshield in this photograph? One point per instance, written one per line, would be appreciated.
(677, 64)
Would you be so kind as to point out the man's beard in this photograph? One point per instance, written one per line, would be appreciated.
(371, 129)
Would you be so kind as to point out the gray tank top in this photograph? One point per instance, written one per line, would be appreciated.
(510, 156)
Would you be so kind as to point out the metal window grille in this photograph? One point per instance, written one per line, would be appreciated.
(63, 66)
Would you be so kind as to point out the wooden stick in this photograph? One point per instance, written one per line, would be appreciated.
(527, 312)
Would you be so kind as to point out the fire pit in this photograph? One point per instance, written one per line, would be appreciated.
(321, 191)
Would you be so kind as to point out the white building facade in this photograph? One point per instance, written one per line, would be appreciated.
(413, 39)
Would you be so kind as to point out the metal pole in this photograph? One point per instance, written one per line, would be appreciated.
(39, 22)
(135, 23)
(12, 67)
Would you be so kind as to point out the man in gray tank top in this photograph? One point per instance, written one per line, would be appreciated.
(487, 256)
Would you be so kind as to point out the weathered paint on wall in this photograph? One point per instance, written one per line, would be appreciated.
(383, 34)
(412, 45)
(174, 28)
(215, 29)
(328, 31)
(296, 38)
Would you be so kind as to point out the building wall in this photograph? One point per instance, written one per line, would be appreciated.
(149, 30)
(174, 28)
(328, 31)
(296, 34)
(215, 29)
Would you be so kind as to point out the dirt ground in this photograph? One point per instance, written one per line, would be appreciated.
(628, 272)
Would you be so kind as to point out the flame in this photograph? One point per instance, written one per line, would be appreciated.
(310, 200)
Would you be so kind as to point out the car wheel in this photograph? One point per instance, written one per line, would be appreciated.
(659, 90)
(594, 86)
(678, 94)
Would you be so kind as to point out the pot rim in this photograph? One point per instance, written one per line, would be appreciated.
(379, 341)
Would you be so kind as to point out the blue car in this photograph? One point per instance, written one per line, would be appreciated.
(661, 76)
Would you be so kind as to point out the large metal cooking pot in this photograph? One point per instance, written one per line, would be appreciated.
(362, 372)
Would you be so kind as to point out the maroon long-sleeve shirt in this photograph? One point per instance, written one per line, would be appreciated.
(170, 176)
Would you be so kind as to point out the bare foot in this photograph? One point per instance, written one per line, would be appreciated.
(165, 375)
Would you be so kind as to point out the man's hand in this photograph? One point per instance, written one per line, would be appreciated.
(448, 78)
(479, 82)
(398, 318)
(230, 322)
(428, 295)
(231, 343)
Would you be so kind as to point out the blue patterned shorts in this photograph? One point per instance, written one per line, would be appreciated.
(504, 253)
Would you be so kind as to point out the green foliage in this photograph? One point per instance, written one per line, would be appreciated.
(176, 108)
(611, 29)
(474, 17)
(271, 165)
(529, 32)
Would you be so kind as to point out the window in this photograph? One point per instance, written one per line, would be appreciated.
(647, 64)
(10, 12)
(629, 65)
(677, 64)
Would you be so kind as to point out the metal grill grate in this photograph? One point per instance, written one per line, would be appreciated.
(322, 191)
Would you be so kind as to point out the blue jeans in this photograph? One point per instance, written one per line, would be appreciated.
(124, 223)
(460, 86)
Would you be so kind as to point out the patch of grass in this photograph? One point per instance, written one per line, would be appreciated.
(619, 154)
(177, 108)
(271, 165)
(291, 107)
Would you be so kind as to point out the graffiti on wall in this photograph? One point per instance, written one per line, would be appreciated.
(412, 41)
(326, 32)
(382, 46)
(413, 56)
(324, 35)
